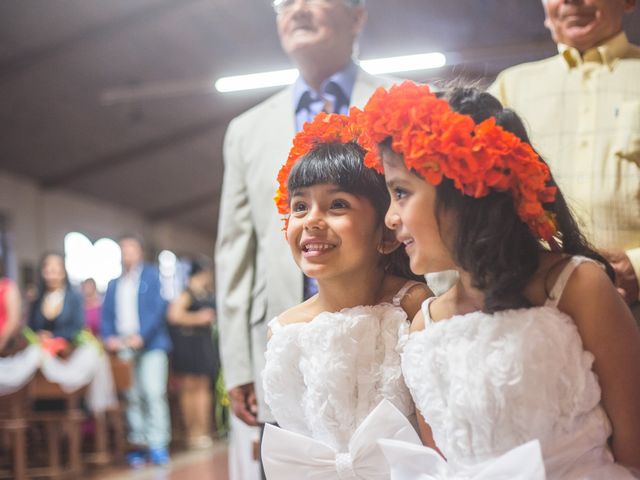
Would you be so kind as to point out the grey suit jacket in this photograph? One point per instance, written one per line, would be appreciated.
(256, 277)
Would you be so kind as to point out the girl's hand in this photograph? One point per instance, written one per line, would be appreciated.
(44, 334)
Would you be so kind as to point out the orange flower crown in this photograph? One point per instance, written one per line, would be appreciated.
(325, 128)
(437, 142)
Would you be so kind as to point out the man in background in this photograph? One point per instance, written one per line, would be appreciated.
(134, 326)
(583, 110)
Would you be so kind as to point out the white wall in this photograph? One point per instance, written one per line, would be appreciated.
(39, 220)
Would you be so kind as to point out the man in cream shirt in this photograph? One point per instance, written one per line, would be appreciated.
(582, 108)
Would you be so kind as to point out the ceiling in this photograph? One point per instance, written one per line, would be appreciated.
(113, 99)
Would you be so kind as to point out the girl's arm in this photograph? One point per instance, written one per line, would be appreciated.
(426, 434)
(178, 313)
(608, 330)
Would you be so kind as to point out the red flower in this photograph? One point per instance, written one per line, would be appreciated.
(325, 128)
(437, 142)
(54, 345)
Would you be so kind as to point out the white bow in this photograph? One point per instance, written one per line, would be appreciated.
(290, 456)
(416, 462)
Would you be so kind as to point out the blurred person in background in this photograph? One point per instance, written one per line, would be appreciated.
(134, 327)
(195, 351)
(582, 107)
(57, 310)
(10, 306)
(92, 305)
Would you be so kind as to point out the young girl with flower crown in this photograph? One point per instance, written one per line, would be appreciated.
(530, 365)
(333, 359)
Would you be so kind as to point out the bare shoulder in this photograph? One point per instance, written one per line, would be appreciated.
(589, 289)
(413, 300)
(301, 313)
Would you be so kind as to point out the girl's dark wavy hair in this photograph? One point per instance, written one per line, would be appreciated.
(342, 164)
(491, 242)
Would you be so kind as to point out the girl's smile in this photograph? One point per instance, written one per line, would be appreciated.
(332, 232)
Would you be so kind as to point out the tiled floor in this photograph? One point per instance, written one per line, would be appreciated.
(210, 464)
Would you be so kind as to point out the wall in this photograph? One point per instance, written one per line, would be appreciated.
(39, 220)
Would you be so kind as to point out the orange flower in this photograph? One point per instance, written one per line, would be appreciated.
(325, 128)
(437, 142)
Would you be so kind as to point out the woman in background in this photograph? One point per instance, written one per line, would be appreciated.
(92, 305)
(195, 352)
(9, 308)
(58, 310)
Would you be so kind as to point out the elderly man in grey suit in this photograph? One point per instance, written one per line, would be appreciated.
(255, 274)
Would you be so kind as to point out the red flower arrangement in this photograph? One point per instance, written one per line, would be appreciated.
(325, 128)
(437, 142)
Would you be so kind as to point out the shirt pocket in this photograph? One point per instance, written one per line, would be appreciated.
(626, 140)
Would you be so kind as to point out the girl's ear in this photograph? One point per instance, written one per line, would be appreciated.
(388, 243)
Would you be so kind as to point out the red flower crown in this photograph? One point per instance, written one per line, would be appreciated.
(437, 142)
(325, 128)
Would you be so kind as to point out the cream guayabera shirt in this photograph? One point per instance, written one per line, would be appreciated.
(583, 116)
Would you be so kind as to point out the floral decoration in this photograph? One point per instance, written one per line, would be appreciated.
(437, 142)
(325, 128)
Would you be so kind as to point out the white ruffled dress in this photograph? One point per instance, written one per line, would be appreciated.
(322, 380)
(488, 383)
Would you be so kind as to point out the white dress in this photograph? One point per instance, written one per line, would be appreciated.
(323, 379)
(488, 383)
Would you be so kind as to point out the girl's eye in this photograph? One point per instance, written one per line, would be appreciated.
(399, 193)
(298, 207)
(339, 204)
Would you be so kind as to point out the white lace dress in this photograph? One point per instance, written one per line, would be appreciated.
(487, 383)
(323, 378)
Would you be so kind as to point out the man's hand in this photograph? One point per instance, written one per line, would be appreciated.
(244, 403)
(113, 344)
(135, 342)
(626, 280)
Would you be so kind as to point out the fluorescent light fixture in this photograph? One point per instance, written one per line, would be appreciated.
(256, 80)
(278, 78)
(406, 63)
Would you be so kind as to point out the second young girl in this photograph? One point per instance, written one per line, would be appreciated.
(332, 359)
(532, 353)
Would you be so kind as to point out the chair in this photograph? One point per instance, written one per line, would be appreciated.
(13, 427)
(68, 420)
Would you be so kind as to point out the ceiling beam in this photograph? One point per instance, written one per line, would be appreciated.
(131, 154)
(37, 55)
(177, 209)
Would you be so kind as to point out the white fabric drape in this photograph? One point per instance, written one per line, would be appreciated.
(18, 370)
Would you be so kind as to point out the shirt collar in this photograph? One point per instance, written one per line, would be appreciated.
(606, 54)
(134, 273)
(345, 79)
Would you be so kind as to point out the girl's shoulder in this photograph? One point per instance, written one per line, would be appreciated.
(301, 313)
(557, 271)
(407, 294)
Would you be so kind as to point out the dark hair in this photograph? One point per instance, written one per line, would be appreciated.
(198, 265)
(132, 236)
(491, 242)
(342, 164)
(42, 286)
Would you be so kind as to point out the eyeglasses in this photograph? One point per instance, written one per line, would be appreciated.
(283, 6)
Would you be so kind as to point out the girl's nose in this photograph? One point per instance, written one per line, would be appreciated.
(314, 219)
(391, 219)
